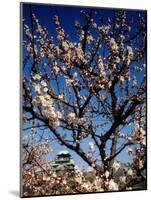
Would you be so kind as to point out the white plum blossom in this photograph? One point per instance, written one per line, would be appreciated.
(116, 165)
(129, 56)
(56, 19)
(55, 70)
(130, 51)
(46, 178)
(80, 121)
(54, 119)
(122, 37)
(122, 79)
(141, 164)
(77, 24)
(117, 60)
(37, 88)
(37, 77)
(130, 139)
(69, 82)
(101, 97)
(130, 172)
(143, 140)
(60, 96)
(53, 114)
(43, 83)
(45, 89)
(55, 123)
(113, 186)
(91, 147)
(71, 117)
(113, 45)
(130, 151)
(122, 179)
(59, 114)
(107, 173)
(94, 25)
(100, 63)
(90, 39)
(42, 100)
(65, 45)
(75, 74)
(104, 29)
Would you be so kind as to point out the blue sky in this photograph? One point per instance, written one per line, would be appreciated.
(68, 16)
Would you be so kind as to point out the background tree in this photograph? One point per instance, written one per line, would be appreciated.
(89, 90)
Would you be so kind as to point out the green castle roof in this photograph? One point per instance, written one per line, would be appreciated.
(63, 152)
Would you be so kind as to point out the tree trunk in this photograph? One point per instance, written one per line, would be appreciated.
(113, 151)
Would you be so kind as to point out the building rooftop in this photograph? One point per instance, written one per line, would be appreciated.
(63, 152)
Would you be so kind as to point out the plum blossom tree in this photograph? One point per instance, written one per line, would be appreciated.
(91, 91)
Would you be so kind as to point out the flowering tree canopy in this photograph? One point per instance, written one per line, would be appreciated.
(87, 89)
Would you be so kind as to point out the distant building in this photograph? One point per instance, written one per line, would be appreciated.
(63, 161)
